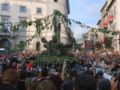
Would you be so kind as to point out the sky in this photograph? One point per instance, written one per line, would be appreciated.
(85, 11)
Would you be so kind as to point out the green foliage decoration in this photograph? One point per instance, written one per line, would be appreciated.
(114, 33)
(105, 31)
(55, 59)
(15, 28)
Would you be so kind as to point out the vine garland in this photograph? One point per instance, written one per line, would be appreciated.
(48, 22)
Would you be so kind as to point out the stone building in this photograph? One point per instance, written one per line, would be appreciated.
(110, 21)
(16, 11)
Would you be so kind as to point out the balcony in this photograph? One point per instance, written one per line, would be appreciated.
(105, 24)
(6, 34)
(5, 29)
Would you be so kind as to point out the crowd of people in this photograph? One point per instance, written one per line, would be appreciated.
(98, 70)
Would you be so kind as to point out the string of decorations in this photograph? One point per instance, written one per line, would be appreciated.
(48, 23)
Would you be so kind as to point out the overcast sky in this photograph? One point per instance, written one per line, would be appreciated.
(86, 11)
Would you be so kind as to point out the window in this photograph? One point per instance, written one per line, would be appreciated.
(21, 42)
(55, 0)
(21, 20)
(6, 24)
(5, 7)
(23, 9)
(39, 10)
(38, 46)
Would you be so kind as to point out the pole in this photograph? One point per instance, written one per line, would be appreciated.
(73, 46)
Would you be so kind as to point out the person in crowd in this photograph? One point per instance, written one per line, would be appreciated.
(94, 72)
(88, 72)
(115, 82)
(46, 85)
(10, 79)
(1, 67)
(104, 84)
(44, 74)
(107, 76)
(23, 75)
(100, 75)
(0, 78)
(69, 81)
(29, 66)
(85, 82)
(31, 84)
(12, 63)
(57, 80)
(115, 67)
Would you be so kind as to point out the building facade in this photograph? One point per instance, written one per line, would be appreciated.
(110, 21)
(16, 11)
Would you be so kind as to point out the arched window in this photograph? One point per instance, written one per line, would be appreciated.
(38, 46)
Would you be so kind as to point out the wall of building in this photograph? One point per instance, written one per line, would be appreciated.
(47, 8)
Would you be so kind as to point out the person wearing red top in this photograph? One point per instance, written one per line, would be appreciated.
(29, 66)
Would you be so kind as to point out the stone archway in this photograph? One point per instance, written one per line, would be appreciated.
(5, 43)
(38, 46)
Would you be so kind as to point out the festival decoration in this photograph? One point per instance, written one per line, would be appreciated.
(110, 18)
(105, 24)
(53, 20)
